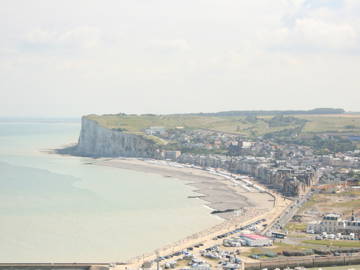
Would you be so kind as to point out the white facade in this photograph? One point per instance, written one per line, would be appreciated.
(332, 223)
(155, 131)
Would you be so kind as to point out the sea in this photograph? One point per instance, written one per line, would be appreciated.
(57, 208)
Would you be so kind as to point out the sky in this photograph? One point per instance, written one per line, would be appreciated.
(70, 58)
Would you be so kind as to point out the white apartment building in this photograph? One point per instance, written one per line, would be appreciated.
(333, 223)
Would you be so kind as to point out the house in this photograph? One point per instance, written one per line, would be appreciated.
(172, 155)
(155, 131)
(246, 145)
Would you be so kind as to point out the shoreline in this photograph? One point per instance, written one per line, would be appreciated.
(257, 202)
(217, 192)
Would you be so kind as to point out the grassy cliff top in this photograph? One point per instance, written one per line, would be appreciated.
(243, 125)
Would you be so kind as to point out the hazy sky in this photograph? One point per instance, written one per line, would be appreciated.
(69, 58)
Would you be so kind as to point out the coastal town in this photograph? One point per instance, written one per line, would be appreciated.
(285, 186)
(267, 241)
(296, 236)
(289, 168)
(180, 135)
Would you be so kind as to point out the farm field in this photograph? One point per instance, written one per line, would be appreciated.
(241, 125)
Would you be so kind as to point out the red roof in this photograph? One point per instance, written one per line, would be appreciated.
(254, 236)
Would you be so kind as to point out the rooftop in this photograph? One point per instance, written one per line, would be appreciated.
(254, 236)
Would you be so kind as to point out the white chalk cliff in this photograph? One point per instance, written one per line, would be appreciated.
(98, 141)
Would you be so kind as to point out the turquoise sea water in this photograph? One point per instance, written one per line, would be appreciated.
(61, 209)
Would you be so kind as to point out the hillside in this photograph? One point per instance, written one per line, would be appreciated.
(251, 125)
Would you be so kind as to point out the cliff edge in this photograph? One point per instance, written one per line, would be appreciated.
(98, 141)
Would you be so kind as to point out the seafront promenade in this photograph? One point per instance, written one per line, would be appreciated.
(206, 238)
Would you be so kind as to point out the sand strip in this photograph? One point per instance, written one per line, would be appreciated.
(218, 192)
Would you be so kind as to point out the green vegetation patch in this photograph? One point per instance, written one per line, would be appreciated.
(322, 145)
(137, 123)
(315, 199)
(353, 204)
(251, 125)
(338, 123)
(156, 140)
(280, 247)
(295, 227)
(333, 243)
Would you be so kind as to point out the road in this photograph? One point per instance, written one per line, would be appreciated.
(291, 210)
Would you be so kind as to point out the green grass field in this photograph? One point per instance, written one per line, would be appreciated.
(332, 123)
(295, 227)
(353, 204)
(333, 243)
(279, 247)
(276, 248)
(342, 123)
(315, 199)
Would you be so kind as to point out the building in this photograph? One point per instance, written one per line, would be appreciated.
(329, 224)
(172, 155)
(333, 223)
(352, 225)
(155, 131)
(246, 145)
(255, 240)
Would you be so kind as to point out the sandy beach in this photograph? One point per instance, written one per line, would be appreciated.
(219, 192)
(216, 191)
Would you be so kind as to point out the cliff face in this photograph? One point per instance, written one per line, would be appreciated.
(97, 141)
